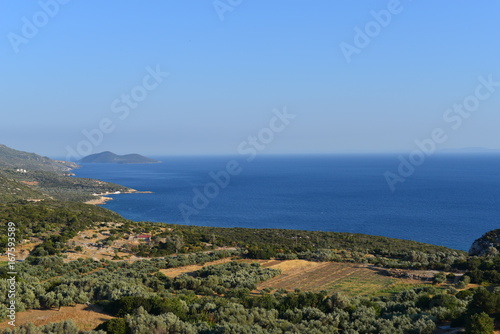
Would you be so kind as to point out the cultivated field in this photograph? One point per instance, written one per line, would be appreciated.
(349, 278)
(85, 319)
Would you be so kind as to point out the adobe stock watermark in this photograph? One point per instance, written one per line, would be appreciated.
(249, 148)
(363, 36)
(11, 266)
(454, 118)
(31, 26)
(221, 7)
(122, 108)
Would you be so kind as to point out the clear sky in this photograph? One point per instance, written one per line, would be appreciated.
(66, 67)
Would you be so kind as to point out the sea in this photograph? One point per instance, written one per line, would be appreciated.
(448, 200)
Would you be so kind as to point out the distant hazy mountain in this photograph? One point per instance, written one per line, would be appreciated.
(10, 158)
(110, 157)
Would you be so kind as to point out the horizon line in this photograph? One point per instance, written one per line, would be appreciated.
(440, 152)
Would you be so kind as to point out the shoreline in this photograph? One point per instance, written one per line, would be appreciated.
(103, 199)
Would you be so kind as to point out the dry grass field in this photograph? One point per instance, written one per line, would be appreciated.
(23, 249)
(174, 272)
(83, 318)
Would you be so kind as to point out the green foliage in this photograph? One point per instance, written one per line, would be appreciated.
(439, 278)
(480, 323)
(235, 275)
(114, 326)
(64, 327)
(485, 301)
(153, 305)
(299, 241)
(264, 253)
(483, 269)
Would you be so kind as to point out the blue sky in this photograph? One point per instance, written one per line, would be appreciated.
(226, 76)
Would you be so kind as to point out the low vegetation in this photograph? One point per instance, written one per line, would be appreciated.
(338, 290)
(218, 299)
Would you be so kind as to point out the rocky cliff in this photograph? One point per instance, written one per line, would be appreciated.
(488, 244)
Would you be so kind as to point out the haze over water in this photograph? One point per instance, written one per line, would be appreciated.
(450, 200)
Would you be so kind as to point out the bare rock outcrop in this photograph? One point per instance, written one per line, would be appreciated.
(487, 245)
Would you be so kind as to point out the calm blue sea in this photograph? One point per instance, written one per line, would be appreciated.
(450, 200)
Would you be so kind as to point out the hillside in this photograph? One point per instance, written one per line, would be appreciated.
(11, 158)
(13, 190)
(220, 284)
(55, 186)
(28, 176)
(110, 157)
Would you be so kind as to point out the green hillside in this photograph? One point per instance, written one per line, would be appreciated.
(62, 187)
(28, 176)
(13, 190)
(11, 158)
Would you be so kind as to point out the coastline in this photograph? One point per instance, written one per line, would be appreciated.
(99, 201)
(103, 199)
